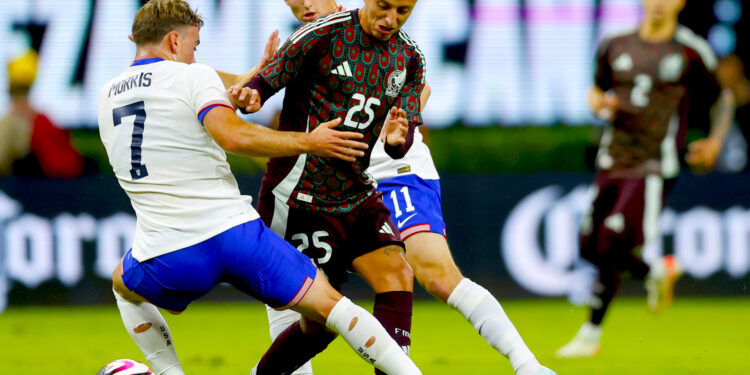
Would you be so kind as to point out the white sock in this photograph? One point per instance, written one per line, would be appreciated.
(155, 341)
(484, 312)
(278, 321)
(369, 339)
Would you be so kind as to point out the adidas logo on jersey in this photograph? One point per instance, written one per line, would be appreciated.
(386, 229)
(343, 70)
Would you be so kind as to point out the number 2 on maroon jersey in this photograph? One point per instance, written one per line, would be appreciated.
(639, 95)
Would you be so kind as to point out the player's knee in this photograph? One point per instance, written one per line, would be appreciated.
(396, 276)
(385, 270)
(118, 285)
(117, 275)
(319, 300)
(439, 281)
(404, 274)
(117, 288)
(436, 286)
(121, 290)
(407, 277)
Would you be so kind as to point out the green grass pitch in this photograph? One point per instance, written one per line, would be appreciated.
(696, 336)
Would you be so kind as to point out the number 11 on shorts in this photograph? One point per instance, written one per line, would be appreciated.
(405, 192)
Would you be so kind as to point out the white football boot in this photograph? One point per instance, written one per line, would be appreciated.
(534, 368)
(545, 371)
(584, 344)
(660, 283)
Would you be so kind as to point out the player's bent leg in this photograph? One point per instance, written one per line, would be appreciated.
(428, 253)
(392, 279)
(487, 316)
(147, 327)
(278, 321)
(610, 249)
(586, 342)
(359, 328)
(118, 285)
(430, 257)
(284, 324)
(293, 347)
(385, 270)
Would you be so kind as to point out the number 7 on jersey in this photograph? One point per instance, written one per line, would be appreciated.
(134, 109)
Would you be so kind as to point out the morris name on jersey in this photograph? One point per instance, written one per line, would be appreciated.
(143, 79)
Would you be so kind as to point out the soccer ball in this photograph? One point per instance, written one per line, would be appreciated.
(125, 367)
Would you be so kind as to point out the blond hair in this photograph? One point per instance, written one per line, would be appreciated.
(158, 17)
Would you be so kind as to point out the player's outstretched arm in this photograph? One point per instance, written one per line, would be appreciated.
(245, 138)
(702, 153)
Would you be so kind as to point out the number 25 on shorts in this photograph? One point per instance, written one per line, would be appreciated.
(316, 243)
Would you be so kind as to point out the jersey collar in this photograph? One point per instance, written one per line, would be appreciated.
(146, 61)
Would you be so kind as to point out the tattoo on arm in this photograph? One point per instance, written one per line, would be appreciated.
(393, 249)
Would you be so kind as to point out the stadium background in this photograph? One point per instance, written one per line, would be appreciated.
(510, 132)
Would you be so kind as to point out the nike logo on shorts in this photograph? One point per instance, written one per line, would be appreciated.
(401, 223)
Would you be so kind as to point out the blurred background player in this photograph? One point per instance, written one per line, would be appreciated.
(644, 82)
(164, 122)
(30, 143)
(357, 66)
(411, 190)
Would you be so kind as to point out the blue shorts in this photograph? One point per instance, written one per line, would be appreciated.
(249, 256)
(414, 204)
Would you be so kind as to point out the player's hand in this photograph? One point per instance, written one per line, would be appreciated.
(328, 142)
(272, 45)
(606, 107)
(702, 154)
(395, 128)
(245, 98)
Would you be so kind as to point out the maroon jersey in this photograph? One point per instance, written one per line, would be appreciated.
(655, 84)
(332, 69)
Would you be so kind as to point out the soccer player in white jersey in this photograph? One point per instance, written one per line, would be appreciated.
(164, 122)
(411, 190)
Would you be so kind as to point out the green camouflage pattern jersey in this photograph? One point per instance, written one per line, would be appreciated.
(332, 69)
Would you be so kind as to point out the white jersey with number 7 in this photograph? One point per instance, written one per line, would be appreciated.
(177, 177)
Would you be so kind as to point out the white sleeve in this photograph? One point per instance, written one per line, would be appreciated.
(206, 88)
